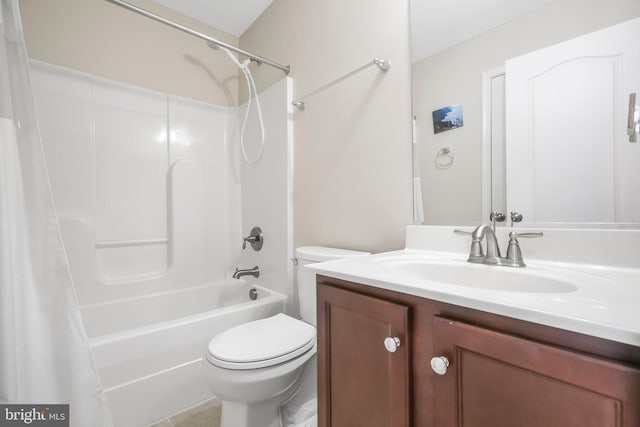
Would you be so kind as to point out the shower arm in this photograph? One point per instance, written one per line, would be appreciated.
(285, 68)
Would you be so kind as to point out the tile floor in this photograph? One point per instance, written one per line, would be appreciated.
(206, 414)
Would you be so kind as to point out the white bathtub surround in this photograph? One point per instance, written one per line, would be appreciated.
(139, 179)
(44, 353)
(163, 233)
(267, 190)
(154, 199)
(592, 277)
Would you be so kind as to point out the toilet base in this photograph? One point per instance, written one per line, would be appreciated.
(255, 414)
(302, 407)
(264, 413)
(237, 414)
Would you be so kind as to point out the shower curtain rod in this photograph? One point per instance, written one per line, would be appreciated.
(210, 40)
(383, 64)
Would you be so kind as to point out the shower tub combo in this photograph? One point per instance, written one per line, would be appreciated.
(150, 209)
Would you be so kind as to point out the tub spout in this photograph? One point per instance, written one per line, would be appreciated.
(255, 272)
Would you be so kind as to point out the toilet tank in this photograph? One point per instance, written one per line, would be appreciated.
(306, 279)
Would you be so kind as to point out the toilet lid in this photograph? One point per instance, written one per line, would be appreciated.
(261, 343)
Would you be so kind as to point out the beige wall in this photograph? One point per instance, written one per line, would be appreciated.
(352, 185)
(97, 37)
(455, 76)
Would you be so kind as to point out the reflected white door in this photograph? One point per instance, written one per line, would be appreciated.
(569, 158)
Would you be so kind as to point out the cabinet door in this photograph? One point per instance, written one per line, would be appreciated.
(360, 382)
(496, 379)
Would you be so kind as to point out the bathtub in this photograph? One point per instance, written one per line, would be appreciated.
(148, 350)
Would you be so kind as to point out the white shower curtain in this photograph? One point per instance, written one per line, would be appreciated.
(44, 353)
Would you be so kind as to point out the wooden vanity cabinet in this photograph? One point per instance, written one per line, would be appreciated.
(363, 383)
(502, 372)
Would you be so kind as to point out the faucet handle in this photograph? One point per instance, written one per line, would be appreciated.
(497, 216)
(515, 217)
(255, 238)
(476, 253)
(516, 234)
(514, 254)
(462, 232)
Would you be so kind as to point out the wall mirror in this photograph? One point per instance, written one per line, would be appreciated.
(548, 120)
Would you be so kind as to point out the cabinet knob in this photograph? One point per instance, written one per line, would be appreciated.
(391, 344)
(439, 365)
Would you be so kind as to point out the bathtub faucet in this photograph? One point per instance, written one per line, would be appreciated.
(255, 272)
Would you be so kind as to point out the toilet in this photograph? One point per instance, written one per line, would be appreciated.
(256, 367)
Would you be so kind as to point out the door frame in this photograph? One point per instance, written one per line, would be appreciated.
(487, 139)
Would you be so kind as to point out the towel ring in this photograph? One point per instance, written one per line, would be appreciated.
(444, 158)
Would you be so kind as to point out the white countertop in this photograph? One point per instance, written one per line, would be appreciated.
(606, 303)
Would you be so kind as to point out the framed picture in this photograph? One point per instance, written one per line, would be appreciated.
(447, 118)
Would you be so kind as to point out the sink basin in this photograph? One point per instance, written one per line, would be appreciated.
(479, 276)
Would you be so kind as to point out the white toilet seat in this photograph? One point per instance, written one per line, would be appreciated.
(261, 343)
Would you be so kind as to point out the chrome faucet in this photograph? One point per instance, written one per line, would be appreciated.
(492, 257)
(255, 272)
(476, 254)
